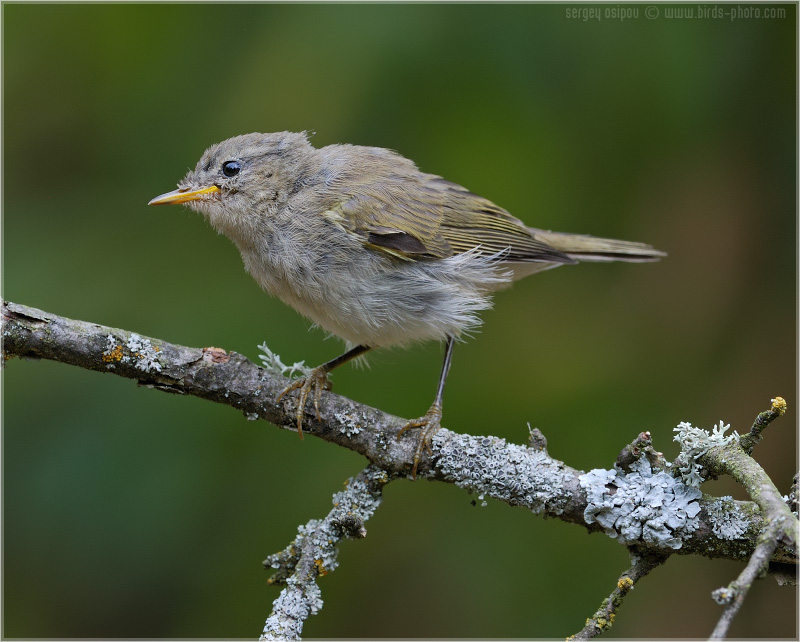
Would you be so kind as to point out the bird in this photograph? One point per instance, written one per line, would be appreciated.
(372, 249)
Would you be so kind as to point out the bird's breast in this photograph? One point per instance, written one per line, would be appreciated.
(368, 297)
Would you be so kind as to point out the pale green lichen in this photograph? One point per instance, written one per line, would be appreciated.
(350, 426)
(728, 521)
(641, 507)
(295, 603)
(696, 442)
(723, 595)
(141, 353)
(512, 473)
(315, 551)
(272, 362)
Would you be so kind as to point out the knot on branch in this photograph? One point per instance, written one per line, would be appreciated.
(642, 445)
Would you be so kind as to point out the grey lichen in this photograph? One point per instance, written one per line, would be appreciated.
(295, 604)
(792, 500)
(272, 362)
(511, 473)
(728, 521)
(320, 536)
(314, 552)
(144, 355)
(350, 425)
(696, 442)
(641, 507)
(723, 595)
(140, 353)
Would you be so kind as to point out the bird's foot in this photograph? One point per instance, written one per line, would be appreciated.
(316, 381)
(430, 423)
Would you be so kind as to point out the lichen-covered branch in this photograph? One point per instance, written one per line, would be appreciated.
(210, 373)
(651, 506)
(314, 551)
(733, 595)
(732, 460)
(764, 419)
(732, 457)
(490, 467)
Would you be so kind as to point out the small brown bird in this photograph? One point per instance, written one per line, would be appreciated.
(370, 248)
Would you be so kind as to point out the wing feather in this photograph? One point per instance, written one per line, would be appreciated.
(393, 207)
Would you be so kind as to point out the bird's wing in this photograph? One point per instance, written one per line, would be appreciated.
(390, 220)
(470, 221)
(435, 219)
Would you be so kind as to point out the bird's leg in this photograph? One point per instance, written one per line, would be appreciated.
(317, 380)
(431, 421)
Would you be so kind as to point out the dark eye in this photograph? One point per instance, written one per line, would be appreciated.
(231, 168)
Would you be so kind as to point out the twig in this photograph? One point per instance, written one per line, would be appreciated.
(313, 554)
(780, 525)
(603, 619)
(733, 595)
(749, 441)
(732, 460)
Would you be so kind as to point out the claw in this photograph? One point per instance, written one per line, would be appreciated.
(317, 380)
(430, 424)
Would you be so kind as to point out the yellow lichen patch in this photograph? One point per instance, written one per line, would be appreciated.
(625, 584)
(114, 354)
(779, 405)
(320, 567)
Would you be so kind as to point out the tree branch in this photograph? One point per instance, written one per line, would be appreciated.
(647, 504)
(733, 595)
(489, 466)
(764, 419)
(781, 525)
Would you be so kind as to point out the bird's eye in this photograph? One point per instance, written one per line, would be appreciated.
(231, 168)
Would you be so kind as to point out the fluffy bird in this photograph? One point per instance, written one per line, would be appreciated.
(370, 248)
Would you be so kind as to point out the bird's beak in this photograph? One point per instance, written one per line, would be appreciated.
(185, 195)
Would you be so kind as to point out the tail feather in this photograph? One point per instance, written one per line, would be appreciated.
(582, 247)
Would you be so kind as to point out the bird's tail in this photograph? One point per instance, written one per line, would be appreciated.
(582, 247)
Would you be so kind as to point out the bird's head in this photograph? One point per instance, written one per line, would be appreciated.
(241, 180)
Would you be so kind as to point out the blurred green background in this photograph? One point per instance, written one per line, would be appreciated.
(129, 513)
